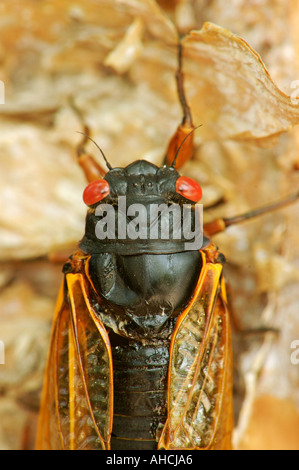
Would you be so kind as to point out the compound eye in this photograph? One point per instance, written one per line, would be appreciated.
(188, 188)
(95, 192)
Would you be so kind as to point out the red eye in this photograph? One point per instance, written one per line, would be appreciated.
(188, 188)
(95, 192)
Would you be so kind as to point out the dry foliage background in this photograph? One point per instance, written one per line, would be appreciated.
(117, 60)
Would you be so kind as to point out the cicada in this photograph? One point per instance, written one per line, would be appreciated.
(140, 353)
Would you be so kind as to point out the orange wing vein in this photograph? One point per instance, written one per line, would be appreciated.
(200, 377)
(77, 402)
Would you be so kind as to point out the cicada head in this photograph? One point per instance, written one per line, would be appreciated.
(141, 209)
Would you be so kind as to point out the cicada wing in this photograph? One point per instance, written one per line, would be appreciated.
(200, 368)
(76, 409)
(49, 435)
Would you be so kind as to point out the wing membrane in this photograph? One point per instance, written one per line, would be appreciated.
(76, 410)
(199, 384)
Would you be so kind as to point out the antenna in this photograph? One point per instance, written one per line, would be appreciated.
(106, 161)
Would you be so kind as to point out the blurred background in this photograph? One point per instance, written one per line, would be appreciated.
(116, 59)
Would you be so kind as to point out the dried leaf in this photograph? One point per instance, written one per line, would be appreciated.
(232, 89)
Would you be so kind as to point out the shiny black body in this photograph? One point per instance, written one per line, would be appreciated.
(143, 286)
